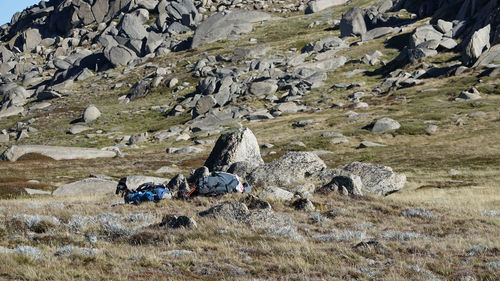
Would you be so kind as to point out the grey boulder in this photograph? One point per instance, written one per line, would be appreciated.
(133, 28)
(376, 179)
(234, 147)
(220, 26)
(320, 5)
(119, 55)
(478, 43)
(91, 113)
(424, 33)
(342, 182)
(275, 193)
(263, 88)
(353, 23)
(90, 186)
(385, 124)
(292, 168)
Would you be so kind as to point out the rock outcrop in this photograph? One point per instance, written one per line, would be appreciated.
(222, 26)
(55, 152)
(376, 179)
(320, 5)
(292, 168)
(239, 146)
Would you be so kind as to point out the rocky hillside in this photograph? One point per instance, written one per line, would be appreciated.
(368, 131)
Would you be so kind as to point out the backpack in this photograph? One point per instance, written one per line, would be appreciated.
(138, 197)
(145, 192)
(220, 183)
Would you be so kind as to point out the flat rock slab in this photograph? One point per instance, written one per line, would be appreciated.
(134, 182)
(220, 26)
(55, 152)
(31, 191)
(90, 186)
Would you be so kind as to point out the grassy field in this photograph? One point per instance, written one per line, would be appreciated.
(460, 238)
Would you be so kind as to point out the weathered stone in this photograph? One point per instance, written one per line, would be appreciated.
(234, 147)
(325, 65)
(220, 26)
(119, 55)
(13, 95)
(178, 222)
(241, 169)
(78, 129)
(228, 211)
(472, 94)
(90, 186)
(343, 182)
(424, 33)
(489, 57)
(140, 89)
(55, 152)
(352, 23)
(30, 39)
(204, 104)
(275, 193)
(133, 28)
(138, 138)
(366, 144)
(378, 32)
(263, 88)
(319, 5)
(184, 150)
(292, 168)
(385, 124)
(478, 43)
(304, 204)
(179, 186)
(376, 179)
(91, 114)
(444, 26)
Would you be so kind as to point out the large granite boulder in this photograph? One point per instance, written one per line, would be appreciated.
(292, 168)
(132, 27)
(13, 95)
(119, 55)
(353, 23)
(222, 26)
(479, 42)
(376, 179)
(234, 147)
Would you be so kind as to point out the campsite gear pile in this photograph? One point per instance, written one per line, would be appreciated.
(205, 184)
(145, 192)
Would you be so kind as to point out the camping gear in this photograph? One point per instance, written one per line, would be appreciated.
(145, 192)
(142, 196)
(218, 183)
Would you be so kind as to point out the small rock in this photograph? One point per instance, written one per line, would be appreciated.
(304, 204)
(303, 123)
(366, 144)
(91, 113)
(384, 125)
(275, 193)
(178, 222)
